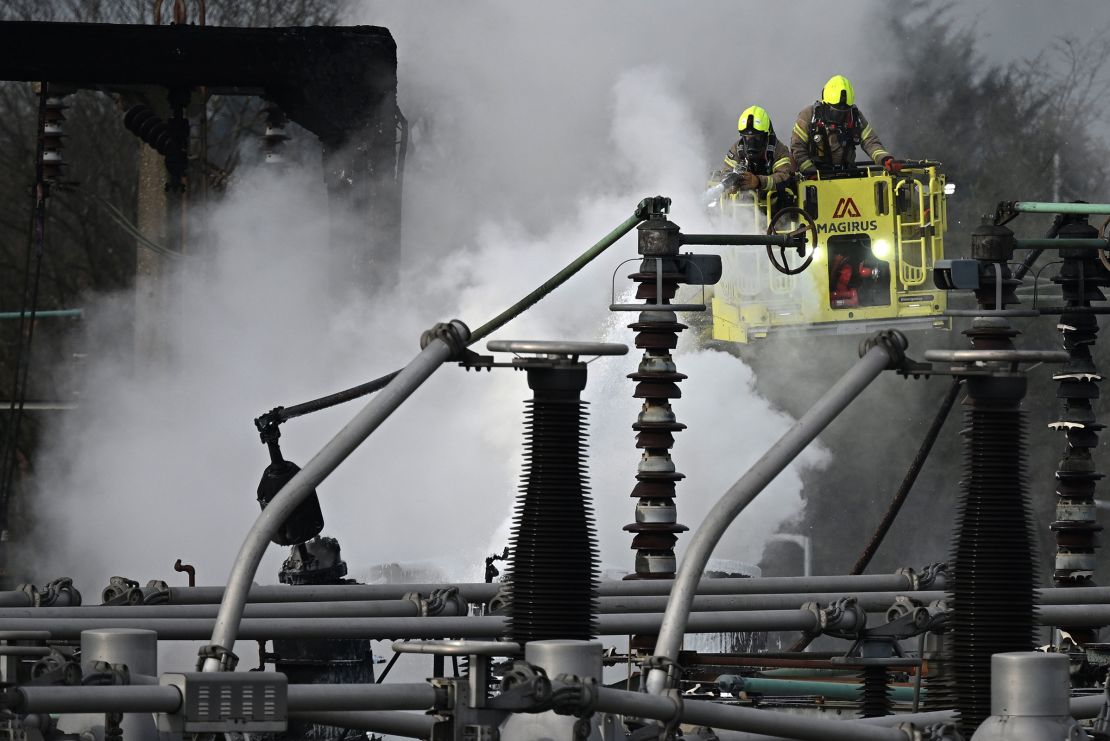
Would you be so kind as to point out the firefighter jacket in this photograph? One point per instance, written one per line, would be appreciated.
(812, 145)
(774, 173)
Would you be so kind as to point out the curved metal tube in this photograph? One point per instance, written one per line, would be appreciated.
(376, 411)
(744, 491)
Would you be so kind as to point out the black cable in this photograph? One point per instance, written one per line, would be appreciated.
(1031, 258)
(277, 415)
(900, 496)
(35, 238)
(911, 476)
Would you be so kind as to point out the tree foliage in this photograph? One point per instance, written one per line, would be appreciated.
(1017, 132)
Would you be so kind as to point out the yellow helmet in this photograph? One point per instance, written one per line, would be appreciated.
(754, 118)
(838, 91)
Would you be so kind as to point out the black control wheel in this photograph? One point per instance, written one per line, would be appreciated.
(792, 221)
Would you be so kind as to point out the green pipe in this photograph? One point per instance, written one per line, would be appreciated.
(1037, 207)
(41, 314)
(798, 688)
(808, 672)
(1060, 244)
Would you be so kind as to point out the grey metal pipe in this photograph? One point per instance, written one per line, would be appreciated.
(394, 723)
(744, 491)
(1078, 616)
(1001, 356)
(1060, 244)
(1081, 708)
(25, 651)
(736, 718)
(368, 419)
(875, 601)
(480, 592)
(740, 240)
(412, 696)
(933, 717)
(471, 592)
(373, 608)
(97, 699)
(16, 598)
(192, 629)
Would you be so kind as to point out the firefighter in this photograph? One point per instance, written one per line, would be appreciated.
(758, 160)
(826, 133)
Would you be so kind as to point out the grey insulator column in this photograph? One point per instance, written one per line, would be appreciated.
(993, 560)
(553, 574)
(656, 527)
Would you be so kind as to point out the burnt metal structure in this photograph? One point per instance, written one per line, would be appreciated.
(327, 661)
(340, 83)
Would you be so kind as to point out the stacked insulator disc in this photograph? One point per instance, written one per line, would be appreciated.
(993, 559)
(1076, 524)
(656, 527)
(53, 164)
(274, 139)
(553, 572)
(874, 695)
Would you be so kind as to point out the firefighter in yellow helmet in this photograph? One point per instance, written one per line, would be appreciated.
(758, 160)
(826, 133)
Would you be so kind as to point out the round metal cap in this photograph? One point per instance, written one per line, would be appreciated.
(1029, 683)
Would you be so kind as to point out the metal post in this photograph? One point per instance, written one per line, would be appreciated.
(376, 411)
(879, 357)
(802, 541)
(138, 650)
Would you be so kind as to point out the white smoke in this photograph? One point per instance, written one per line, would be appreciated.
(536, 131)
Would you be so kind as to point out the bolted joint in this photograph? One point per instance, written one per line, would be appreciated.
(227, 658)
(121, 591)
(524, 688)
(893, 342)
(574, 695)
(928, 576)
(445, 602)
(652, 206)
(57, 593)
(454, 333)
(445, 697)
(844, 618)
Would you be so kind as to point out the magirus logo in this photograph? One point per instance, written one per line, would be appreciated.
(846, 207)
